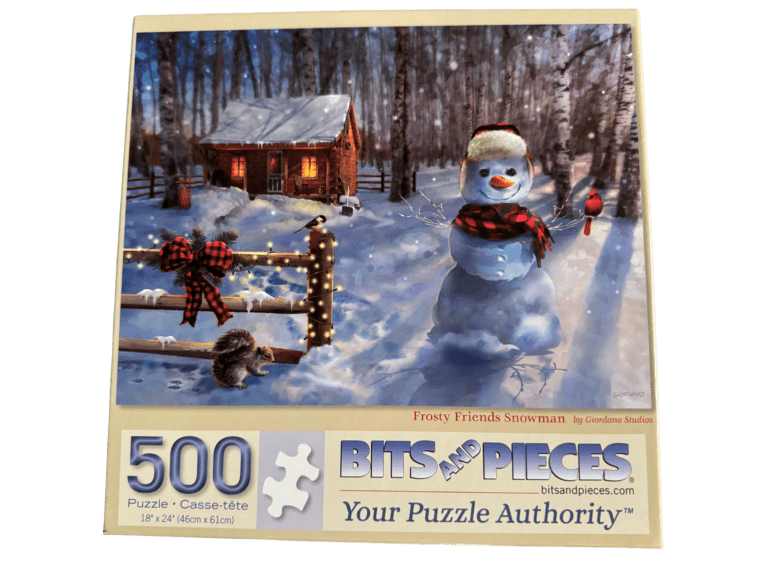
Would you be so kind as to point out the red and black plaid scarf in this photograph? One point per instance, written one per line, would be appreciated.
(216, 257)
(502, 222)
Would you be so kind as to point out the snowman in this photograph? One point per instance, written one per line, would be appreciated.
(497, 304)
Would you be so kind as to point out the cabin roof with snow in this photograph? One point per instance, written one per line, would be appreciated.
(269, 121)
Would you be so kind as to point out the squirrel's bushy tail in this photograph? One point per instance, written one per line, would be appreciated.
(233, 340)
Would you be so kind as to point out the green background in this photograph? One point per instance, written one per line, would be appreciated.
(65, 77)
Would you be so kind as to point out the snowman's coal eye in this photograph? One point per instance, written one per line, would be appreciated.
(511, 172)
(484, 172)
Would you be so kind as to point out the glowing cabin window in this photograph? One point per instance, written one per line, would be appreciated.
(309, 166)
(238, 168)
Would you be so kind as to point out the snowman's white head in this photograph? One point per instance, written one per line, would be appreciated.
(497, 167)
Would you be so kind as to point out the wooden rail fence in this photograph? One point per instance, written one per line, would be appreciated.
(156, 184)
(318, 304)
(380, 182)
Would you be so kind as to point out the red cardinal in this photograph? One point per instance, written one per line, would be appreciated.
(592, 209)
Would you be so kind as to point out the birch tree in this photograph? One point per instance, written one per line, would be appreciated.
(629, 190)
(307, 48)
(346, 66)
(295, 70)
(562, 119)
(598, 144)
(249, 63)
(198, 85)
(611, 68)
(180, 73)
(625, 101)
(483, 76)
(328, 57)
(183, 68)
(264, 38)
(457, 137)
(386, 80)
(401, 154)
(508, 42)
(469, 85)
(447, 74)
(167, 118)
(364, 82)
(236, 71)
(136, 153)
(216, 79)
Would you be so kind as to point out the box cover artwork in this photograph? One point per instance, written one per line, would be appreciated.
(431, 225)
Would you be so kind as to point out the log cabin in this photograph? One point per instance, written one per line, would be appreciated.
(303, 147)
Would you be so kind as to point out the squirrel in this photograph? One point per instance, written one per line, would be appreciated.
(236, 356)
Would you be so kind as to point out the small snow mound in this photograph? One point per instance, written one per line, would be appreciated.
(250, 296)
(154, 294)
(482, 346)
(324, 376)
(165, 340)
(353, 201)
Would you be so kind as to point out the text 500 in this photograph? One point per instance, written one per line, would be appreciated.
(201, 477)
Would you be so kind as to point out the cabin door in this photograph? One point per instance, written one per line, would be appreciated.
(275, 172)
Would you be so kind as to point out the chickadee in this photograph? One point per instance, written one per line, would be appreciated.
(314, 224)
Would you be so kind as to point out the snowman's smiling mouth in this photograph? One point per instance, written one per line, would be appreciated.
(504, 197)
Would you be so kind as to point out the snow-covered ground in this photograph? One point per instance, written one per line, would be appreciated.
(390, 265)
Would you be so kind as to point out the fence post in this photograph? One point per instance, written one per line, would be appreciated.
(320, 288)
(382, 181)
(152, 183)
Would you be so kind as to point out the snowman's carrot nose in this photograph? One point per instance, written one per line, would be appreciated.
(500, 182)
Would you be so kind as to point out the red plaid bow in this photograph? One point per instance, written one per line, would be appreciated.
(502, 222)
(216, 257)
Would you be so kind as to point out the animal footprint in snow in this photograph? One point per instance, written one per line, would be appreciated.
(183, 385)
(155, 294)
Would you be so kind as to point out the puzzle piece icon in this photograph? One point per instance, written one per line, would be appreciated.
(285, 492)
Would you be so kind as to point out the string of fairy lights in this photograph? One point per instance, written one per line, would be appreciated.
(319, 274)
(319, 285)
